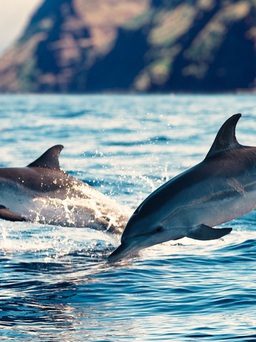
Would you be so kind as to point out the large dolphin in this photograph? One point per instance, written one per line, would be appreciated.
(219, 189)
(43, 193)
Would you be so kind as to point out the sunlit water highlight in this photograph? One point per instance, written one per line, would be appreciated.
(55, 282)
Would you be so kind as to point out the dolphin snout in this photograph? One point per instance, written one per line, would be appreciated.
(124, 250)
(116, 255)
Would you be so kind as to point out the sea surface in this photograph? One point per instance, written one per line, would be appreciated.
(55, 283)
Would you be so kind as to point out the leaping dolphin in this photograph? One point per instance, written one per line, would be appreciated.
(219, 189)
(43, 193)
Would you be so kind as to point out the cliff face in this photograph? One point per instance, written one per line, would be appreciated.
(130, 45)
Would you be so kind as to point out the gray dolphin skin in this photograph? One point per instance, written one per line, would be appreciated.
(219, 189)
(43, 193)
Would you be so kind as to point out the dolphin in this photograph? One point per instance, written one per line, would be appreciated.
(220, 188)
(43, 193)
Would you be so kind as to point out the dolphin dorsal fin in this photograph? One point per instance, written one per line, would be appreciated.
(50, 159)
(226, 137)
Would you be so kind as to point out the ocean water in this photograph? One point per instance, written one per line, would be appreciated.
(55, 284)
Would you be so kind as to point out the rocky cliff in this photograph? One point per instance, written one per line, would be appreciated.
(131, 45)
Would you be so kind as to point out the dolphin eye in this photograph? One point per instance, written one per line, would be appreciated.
(158, 229)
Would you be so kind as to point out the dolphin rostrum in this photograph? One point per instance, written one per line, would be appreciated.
(219, 189)
(43, 193)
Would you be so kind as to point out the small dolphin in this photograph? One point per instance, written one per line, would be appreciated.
(43, 193)
(219, 189)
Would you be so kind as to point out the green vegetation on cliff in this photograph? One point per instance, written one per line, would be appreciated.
(130, 45)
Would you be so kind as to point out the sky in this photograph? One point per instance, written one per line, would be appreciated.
(14, 15)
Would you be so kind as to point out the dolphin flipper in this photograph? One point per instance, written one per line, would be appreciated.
(203, 232)
(7, 215)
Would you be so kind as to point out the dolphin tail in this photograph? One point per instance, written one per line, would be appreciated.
(8, 215)
(204, 232)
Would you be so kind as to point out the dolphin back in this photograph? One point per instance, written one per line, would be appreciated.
(49, 159)
(226, 137)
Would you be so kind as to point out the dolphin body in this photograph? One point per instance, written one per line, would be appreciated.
(43, 193)
(219, 189)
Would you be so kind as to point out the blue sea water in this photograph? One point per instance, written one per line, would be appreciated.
(55, 284)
